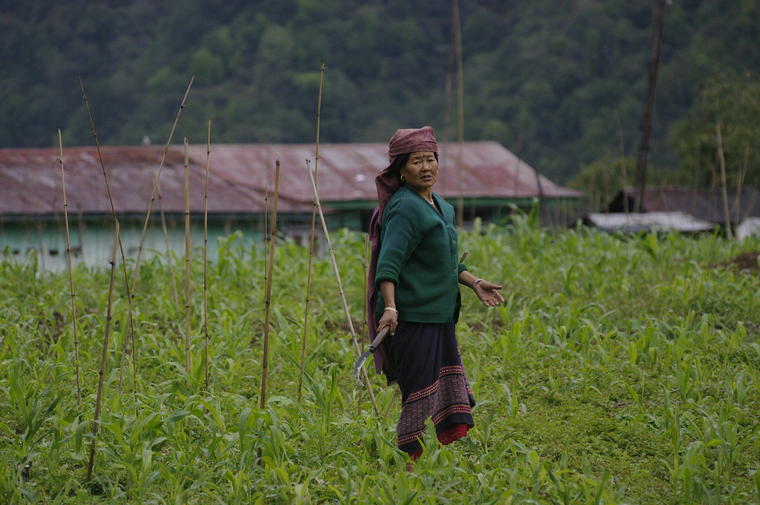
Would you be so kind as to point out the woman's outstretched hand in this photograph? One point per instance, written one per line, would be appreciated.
(488, 292)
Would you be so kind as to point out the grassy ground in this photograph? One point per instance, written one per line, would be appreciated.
(620, 370)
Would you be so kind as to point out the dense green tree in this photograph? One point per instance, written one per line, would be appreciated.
(549, 79)
(733, 102)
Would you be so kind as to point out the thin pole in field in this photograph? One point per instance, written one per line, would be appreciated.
(156, 182)
(187, 257)
(169, 256)
(739, 182)
(71, 277)
(340, 285)
(621, 141)
(265, 236)
(268, 296)
(365, 267)
(723, 190)
(104, 354)
(129, 332)
(456, 20)
(365, 305)
(205, 255)
(646, 121)
(312, 236)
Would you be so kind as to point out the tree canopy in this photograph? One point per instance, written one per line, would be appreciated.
(549, 79)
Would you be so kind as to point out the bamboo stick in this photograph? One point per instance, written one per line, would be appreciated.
(365, 268)
(646, 121)
(365, 306)
(129, 331)
(169, 256)
(739, 183)
(340, 286)
(265, 236)
(205, 256)
(312, 236)
(621, 142)
(460, 107)
(71, 275)
(268, 296)
(156, 182)
(103, 355)
(187, 257)
(724, 191)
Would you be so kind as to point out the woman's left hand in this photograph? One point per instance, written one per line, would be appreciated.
(488, 292)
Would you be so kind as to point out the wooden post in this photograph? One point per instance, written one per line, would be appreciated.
(312, 236)
(103, 355)
(169, 255)
(456, 21)
(205, 255)
(340, 286)
(268, 296)
(71, 275)
(188, 253)
(129, 330)
(723, 189)
(646, 122)
(156, 182)
(739, 183)
(621, 142)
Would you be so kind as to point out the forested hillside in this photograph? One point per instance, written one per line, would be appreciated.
(547, 78)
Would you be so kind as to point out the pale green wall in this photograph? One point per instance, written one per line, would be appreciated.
(94, 236)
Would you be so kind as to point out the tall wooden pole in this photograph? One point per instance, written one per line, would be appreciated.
(188, 253)
(71, 275)
(156, 182)
(460, 107)
(167, 245)
(646, 122)
(268, 295)
(129, 332)
(340, 286)
(312, 237)
(103, 355)
(723, 184)
(621, 143)
(205, 256)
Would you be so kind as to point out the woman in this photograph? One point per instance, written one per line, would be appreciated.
(415, 278)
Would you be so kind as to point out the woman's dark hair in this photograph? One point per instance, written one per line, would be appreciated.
(400, 162)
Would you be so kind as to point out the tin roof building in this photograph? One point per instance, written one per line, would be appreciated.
(487, 175)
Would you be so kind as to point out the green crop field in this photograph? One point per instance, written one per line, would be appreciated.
(620, 370)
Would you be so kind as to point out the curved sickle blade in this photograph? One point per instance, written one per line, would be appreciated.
(372, 347)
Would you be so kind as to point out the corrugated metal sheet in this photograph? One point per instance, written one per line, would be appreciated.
(750, 227)
(649, 221)
(241, 175)
(30, 183)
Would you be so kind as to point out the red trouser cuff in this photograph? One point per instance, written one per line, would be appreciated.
(454, 433)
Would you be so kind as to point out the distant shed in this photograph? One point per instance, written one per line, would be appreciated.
(703, 203)
(31, 203)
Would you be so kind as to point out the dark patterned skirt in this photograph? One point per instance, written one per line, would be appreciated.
(432, 381)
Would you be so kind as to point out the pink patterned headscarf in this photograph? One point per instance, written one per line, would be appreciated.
(404, 141)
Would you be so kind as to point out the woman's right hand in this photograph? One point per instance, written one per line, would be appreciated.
(389, 319)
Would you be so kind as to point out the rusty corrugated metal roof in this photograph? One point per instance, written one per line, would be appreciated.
(30, 183)
(241, 175)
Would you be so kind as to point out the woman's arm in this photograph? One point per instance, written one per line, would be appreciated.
(488, 292)
(390, 314)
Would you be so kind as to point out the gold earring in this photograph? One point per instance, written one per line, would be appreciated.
(402, 178)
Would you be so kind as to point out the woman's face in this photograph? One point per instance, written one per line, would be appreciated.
(420, 171)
